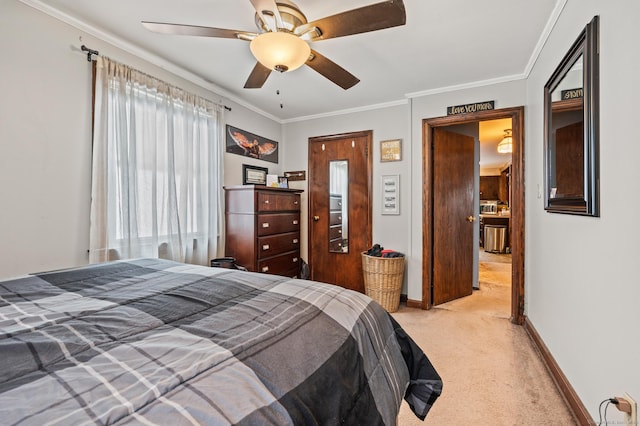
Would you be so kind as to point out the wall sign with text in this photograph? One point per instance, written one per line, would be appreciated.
(390, 194)
(572, 94)
(391, 150)
(471, 108)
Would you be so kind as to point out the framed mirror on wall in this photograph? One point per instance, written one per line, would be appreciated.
(571, 138)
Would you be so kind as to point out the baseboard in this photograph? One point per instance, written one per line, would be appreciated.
(410, 303)
(574, 403)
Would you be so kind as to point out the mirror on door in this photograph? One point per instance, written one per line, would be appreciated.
(338, 206)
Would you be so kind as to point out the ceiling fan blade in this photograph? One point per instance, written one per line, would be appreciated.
(257, 77)
(269, 13)
(194, 30)
(375, 17)
(332, 71)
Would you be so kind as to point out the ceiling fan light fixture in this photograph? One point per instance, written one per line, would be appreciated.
(506, 144)
(280, 51)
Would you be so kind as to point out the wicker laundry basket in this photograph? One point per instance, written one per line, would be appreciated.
(383, 279)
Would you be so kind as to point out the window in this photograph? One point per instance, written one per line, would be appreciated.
(157, 169)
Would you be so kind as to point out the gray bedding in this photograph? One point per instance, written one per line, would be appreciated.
(149, 341)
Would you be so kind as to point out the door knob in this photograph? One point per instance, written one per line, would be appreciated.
(316, 218)
(471, 219)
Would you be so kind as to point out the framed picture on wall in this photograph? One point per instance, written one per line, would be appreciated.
(254, 175)
(391, 150)
(391, 194)
(245, 143)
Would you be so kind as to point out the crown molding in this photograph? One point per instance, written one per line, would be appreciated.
(144, 55)
(347, 111)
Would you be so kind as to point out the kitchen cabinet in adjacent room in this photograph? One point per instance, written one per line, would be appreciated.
(489, 187)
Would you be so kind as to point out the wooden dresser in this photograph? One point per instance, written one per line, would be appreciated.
(263, 228)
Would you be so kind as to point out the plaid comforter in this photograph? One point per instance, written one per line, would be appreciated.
(149, 341)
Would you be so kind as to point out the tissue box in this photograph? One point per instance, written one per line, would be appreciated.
(272, 180)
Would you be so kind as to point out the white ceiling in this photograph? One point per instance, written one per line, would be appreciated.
(444, 44)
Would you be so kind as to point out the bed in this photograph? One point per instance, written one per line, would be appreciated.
(151, 341)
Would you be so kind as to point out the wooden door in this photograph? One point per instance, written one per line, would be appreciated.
(570, 161)
(453, 215)
(517, 193)
(343, 268)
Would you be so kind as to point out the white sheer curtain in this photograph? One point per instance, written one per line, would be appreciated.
(157, 169)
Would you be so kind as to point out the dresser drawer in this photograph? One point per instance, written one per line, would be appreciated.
(291, 273)
(335, 232)
(278, 223)
(335, 245)
(276, 244)
(335, 218)
(280, 264)
(335, 203)
(269, 201)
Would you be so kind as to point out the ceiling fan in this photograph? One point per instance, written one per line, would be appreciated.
(282, 41)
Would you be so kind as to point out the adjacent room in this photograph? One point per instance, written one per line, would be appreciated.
(296, 212)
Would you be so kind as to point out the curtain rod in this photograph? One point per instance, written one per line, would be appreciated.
(95, 52)
(89, 52)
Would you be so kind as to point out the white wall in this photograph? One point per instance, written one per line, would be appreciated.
(581, 276)
(506, 95)
(392, 232)
(45, 138)
(403, 232)
(247, 120)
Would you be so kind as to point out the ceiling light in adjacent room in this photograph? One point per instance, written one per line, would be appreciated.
(280, 51)
(506, 144)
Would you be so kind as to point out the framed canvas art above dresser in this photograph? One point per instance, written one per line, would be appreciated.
(263, 228)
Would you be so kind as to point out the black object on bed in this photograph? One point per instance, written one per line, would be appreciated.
(151, 341)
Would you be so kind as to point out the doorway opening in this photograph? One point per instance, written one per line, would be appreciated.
(494, 193)
(491, 280)
(513, 211)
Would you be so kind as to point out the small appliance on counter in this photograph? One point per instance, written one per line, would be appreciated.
(488, 206)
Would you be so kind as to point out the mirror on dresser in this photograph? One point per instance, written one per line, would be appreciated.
(571, 129)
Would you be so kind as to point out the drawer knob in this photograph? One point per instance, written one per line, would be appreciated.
(265, 269)
(265, 225)
(339, 217)
(295, 259)
(295, 222)
(295, 202)
(265, 247)
(340, 203)
(339, 231)
(295, 241)
(266, 201)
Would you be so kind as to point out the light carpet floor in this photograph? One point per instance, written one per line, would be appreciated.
(492, 373)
